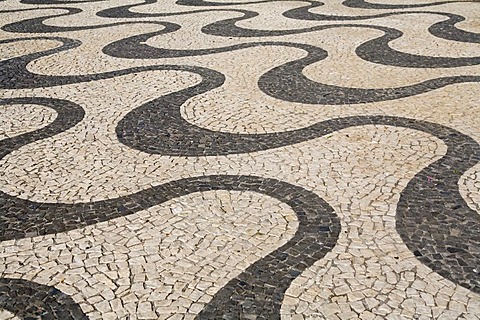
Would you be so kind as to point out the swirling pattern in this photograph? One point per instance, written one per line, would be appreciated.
(212, 43)
(48, 302)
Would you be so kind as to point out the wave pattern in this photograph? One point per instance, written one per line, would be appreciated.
(348, 157)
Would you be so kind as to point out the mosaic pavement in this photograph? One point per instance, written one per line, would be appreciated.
(257, 159)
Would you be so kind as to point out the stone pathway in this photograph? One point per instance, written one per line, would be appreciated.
(255, 159)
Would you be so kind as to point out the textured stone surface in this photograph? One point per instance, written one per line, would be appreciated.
(239, 160)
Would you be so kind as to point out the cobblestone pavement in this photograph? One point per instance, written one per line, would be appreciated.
(239, 159)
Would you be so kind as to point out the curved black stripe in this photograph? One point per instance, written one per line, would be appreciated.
(288, 83)
(376, 50)
(59, 1)
(317, 233)
(68, 115)
(444, 29)
(303, 13)
(15, 74)
(259, 290)
(32, 9)
(37, 25)
(30, 300)
(158, 127)
(134, 47)
(362, 4)
(124, 11)
(463, 153)
(285, 82)
(433, 219)
(203, 3)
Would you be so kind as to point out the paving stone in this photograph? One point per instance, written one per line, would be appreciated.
(258, 159)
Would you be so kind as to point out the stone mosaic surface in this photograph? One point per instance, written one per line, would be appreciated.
(268, 159)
